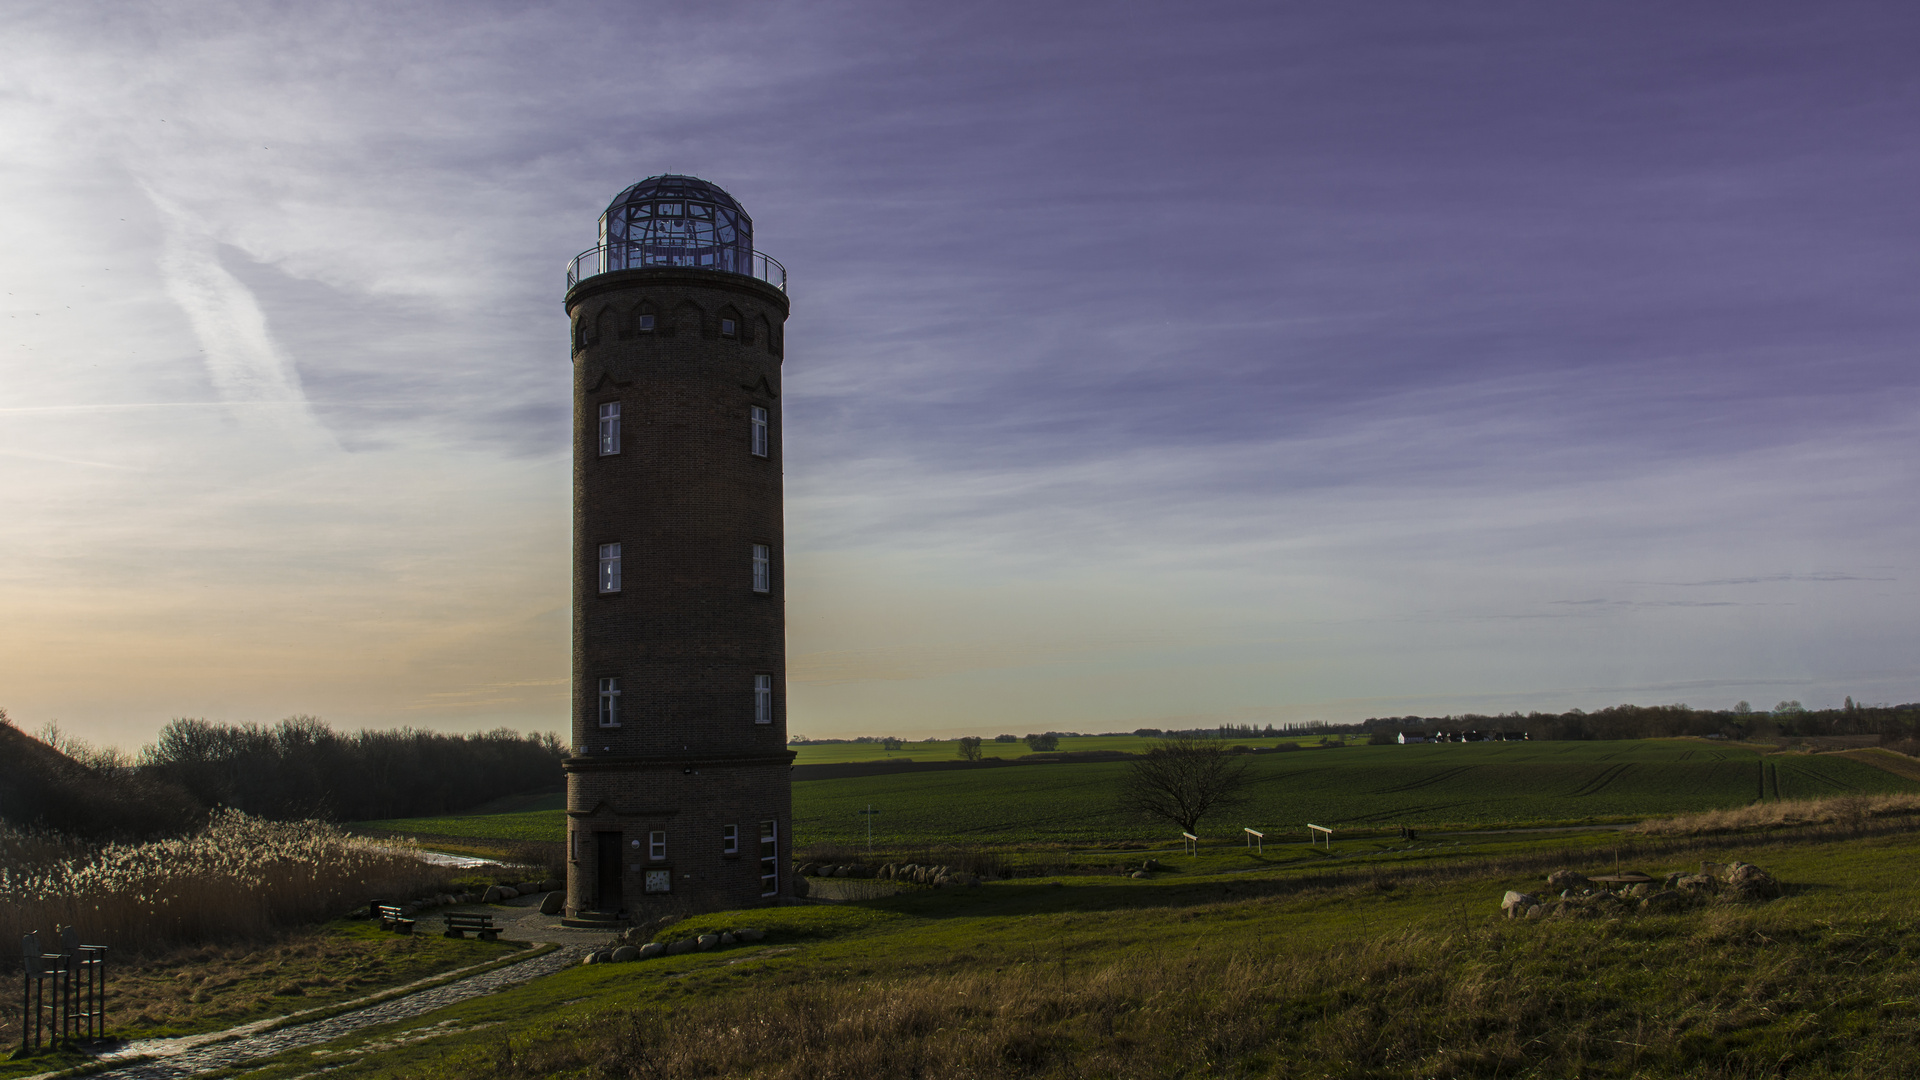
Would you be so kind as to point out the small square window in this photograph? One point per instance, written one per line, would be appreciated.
(729, 839)
(763, 699)
(659, 881)
(729, 328)
(610, 704)
(757, 423)
(646, 322)
(762, 568)
(657, 845)
(609, 568)
(609, 428)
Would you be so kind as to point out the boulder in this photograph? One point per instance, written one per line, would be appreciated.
(1517, 904)
(973, 882)
(727, 938)
(800, 886)
(551, 884)
(553, 903)
(652, 949)
(625, 954)
(1150, 864)
(808, 869)
(681, 947)
(843, 871)
(589, 958)
(493, 895)
(1140, 874)
(750, 934)
(1748, 882)
(1563, 880)
(1666, 901)
(707, 941)
(1696, 883)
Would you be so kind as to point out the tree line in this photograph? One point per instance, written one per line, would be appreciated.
(1893, 725)
(296, 769)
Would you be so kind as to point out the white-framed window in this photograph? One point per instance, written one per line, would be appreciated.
(657, 845)
(609, 428)
(762, 568)
(659, 881)
(729, 839)
(729, 328)
(763, 699)
(646, 322)
(769, 858)
(609, 702)
(757, 423)
(609, 568)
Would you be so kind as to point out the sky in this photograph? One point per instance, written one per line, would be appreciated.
(1150, 364)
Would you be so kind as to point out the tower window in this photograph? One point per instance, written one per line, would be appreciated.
(609, 428)
(729, 839)
(729, 328)
(762, 568)
(609, 568)
(657, 845)
(757, 422)
(769, 859)
(646, 322)
(609, 702)
(763, 699)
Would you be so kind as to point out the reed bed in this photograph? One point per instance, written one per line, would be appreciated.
(1850, 811)
(240, 877)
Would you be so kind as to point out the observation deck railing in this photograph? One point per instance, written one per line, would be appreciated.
(594, 261)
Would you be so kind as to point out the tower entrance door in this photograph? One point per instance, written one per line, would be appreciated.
(607, 847)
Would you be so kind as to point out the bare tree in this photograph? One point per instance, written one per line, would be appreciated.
(1181, 780)
(970, 749)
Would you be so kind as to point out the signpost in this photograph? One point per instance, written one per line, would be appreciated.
(1192, 843)
(868, 814)
(1257, 841)
(1315, 832)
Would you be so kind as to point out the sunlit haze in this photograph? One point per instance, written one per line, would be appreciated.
(1149, 364)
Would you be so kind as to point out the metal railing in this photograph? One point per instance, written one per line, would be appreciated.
(594, 261)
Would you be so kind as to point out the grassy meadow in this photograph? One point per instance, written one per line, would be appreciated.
(1364, 968)
(1355, 787)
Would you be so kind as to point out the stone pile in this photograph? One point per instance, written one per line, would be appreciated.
(939, 877)
(1571, 894)
(630, 946)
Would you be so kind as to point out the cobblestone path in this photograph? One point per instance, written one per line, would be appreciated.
(266, 1044)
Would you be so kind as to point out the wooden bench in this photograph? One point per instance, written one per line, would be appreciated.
(459, 924)
(394, 919)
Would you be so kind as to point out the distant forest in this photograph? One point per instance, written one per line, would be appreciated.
(1895, 726)
(298, 768)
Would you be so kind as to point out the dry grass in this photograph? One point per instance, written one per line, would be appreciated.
(241, 878)
(1849, 811)
(1516, 1000)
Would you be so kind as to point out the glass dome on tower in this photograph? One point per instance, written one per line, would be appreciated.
(676, 221)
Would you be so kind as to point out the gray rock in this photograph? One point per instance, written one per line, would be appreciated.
(799, 886)
(1665, 901)
(589, 958)
(727, 939)
(493, 895)
(625, 954)
(681, 947)
(553, 903)
(1562, 880)
(1515, 904)
(1150, 864)
(551, 884)
(508, 892)
(652, 949)
(1140, 874)
(1696, 883)
(750, 934)
(707, 941)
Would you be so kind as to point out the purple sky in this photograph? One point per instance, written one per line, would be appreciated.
(1148, 363)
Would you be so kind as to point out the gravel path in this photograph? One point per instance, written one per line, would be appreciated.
(251, 1047)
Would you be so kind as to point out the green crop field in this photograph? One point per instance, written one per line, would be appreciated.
(949, 749)
(1475, 785)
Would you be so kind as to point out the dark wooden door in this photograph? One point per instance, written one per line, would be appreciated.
(610, 874)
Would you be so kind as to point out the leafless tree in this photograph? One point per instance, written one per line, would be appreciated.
(1182, 780)
(970, 749)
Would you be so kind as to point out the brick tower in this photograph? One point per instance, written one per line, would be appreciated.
(678, 794)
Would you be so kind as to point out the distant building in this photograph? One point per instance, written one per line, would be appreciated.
(1412, 737)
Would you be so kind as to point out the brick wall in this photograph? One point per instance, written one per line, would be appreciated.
(686, 500)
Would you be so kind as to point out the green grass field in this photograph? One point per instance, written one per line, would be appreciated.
(1482, 785)
(1380, 971)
